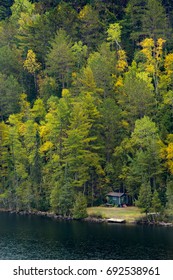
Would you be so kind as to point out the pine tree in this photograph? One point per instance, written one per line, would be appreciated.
(156, 203)
(80, 207)
(10, 91)
(60, 60)
(89, 26)
(154, 21)
(169, 194)
(145, 197)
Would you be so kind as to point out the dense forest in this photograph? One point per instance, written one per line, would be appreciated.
(86, 103)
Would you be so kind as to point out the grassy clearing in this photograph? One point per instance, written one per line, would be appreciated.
(130, 214)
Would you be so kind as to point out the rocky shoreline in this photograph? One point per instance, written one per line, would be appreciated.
(88, 219)
(51, 215)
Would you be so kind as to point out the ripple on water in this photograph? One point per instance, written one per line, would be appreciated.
(24, 237)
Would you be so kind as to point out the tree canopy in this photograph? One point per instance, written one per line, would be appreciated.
(86, 103)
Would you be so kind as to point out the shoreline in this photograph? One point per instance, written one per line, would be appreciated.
(87, 219)
(51, 215)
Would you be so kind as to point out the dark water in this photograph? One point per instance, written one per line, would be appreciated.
(25, 237)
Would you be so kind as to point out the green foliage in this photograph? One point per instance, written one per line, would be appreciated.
(5, 9)
(34, 33)
(156, 203)
(10, 91)
(59, 19)
(145, 198)
(95, 117)
(80, 207)
(62, 198)
(10, 62)
(80, 52)
(147, 18)
(137, 95)
(169, 195)
(145, 132)
(24, 196)
(154, 20)
(114, 34)
(19, 7)
(60, 60)
(89, 25)
(134, 13)
(148, 160)
(47, 87)
(103, 67)
(77, 146)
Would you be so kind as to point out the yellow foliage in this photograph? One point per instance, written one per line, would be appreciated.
(22, 129)
(147, 43)
(31, 63)
(74, 74)
(170, 137)
(46, 147)
(159, 48)
(163, 153)
(150, 68)
(170, 151)
(122, 61)
(65, 93)
(147, 47)
(114, 32)
(153, 53)
(125, 124)
(24, 20)
(4, 133)
(85, 12)
(44, 130)
(169, 63)
(119, 82)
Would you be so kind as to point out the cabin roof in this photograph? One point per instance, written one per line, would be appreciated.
(115, 194)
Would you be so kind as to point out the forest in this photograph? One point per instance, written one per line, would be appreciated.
(86, 103)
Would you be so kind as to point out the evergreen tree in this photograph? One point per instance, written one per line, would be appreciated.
(154, 21)
(62, 199)
(89, 24)
(169, 194)
(60, 60)
(59, 19)
(134, 14)
(80, 206)
(5, 9)
(136, 96)
(10, 91)
(144, 199)
(156, 203)
(111, 125)
(10, 62)
(103, 67)
(35, 33)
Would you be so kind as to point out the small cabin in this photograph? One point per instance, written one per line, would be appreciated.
(117, 199)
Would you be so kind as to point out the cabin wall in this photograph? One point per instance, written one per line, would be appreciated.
(115, 200)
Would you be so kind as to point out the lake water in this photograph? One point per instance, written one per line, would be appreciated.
(31, 237)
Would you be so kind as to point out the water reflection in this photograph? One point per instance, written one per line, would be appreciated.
(28, 237)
